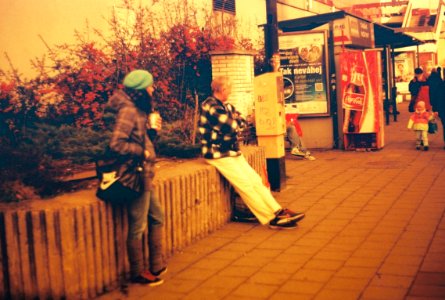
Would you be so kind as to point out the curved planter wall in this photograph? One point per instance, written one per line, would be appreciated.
(73, 246)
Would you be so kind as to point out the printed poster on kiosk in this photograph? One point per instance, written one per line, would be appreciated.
(303, 59)
(361, 93)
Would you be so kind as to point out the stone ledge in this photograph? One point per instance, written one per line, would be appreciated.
(73, 246)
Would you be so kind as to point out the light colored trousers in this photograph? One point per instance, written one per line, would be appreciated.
(249, 185)
(421, 136)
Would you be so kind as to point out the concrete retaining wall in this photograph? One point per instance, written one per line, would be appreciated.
(73, 246)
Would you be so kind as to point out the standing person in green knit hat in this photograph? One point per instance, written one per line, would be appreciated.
(132, 104)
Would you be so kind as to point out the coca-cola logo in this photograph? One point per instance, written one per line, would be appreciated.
(353, 101)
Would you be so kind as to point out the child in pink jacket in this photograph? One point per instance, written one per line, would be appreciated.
(419, 123)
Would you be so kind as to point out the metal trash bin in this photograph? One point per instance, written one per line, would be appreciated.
(240, 211)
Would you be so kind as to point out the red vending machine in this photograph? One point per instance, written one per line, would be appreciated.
(362, 100)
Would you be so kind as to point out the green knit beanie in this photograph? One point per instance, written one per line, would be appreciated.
(138, 80)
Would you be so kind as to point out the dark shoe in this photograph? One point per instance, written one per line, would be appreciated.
(274, 225)
(156, 248)
(147, 278)
(417, 147)
(244, 216)
(160, 272)
(287, 216)
(426, 148)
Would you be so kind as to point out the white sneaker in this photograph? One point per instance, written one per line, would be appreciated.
(297, 152)
(309, 157)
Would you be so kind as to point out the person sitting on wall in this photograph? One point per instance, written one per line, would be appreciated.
(218, 127)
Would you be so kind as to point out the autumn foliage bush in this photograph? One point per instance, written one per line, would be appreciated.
(41, 118)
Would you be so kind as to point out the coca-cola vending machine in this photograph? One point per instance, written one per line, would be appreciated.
(362, 100)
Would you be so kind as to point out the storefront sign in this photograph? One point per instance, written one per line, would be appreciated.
(304, 67)
(353, 31)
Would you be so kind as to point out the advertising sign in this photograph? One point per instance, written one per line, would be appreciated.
(304, 67)
(424, 19)
(361, 91)
(353, 31)
(404, 66)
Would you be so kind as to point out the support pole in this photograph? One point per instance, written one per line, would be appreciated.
(393, 86)
(271, 30)
(273, 79)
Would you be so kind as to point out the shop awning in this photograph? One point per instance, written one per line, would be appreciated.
(384, 35)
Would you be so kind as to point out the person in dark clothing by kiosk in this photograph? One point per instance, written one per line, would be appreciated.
(419, 90)
(437, 96)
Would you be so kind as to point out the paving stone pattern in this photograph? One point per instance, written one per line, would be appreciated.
(375, 229)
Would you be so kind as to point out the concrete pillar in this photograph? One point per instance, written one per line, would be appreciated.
(238, 66)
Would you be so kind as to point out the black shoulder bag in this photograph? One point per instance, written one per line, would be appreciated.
(119, 181)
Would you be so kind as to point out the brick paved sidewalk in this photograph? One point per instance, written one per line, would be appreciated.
(375, 229)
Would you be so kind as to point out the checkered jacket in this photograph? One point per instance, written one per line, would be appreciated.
(129, 137)
(219, 125)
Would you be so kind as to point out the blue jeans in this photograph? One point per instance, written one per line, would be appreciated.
(138, 209)
(293, 137)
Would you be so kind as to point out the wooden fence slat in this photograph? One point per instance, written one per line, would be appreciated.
(24, 250)
(168, 215)
(13, 251)
(89, 251)
(69, 272)
(54, 249)
(80, 250)
(4, 280)
(41, 255)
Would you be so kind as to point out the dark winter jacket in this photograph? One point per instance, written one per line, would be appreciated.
(437, 93)
(129, 137)
(419, 90)
(415, 85)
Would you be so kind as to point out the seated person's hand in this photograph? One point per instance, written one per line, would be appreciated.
(159, 123)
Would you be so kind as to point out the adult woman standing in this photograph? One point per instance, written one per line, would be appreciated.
(129, 139)
(437, 96)
(419, 89)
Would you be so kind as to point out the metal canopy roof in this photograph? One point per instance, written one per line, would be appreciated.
(384, 35)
